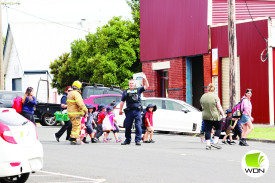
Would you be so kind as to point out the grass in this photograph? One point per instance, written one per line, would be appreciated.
(262, 133)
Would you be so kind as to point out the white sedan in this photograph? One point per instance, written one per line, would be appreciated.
(171, 115)
(21, 152)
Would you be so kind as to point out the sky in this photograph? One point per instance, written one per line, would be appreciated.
(64, 11)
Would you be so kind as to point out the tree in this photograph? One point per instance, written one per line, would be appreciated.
(110, 56)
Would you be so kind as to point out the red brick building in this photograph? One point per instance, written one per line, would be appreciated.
(178, 39)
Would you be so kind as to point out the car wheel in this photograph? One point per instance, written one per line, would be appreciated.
(48, 120)
(15, 179)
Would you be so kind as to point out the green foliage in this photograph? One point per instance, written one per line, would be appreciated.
(110, 56)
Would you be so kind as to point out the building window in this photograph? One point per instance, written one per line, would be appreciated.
(163, 75)
(17, 84)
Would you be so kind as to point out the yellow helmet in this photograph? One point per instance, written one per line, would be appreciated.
(77, 84)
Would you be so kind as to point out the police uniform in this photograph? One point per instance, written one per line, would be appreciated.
(133, 111)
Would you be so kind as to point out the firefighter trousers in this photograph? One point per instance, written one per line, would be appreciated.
(76, 126)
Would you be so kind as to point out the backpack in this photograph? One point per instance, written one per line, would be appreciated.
(237, 110)
(143, 119)
(225, 124)
(17, 104)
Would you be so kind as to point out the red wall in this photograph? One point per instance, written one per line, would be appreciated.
(253, 72)
(176, 79)
(172, 28)
(257, 8)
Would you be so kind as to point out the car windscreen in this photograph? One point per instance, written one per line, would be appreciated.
(106, 100)
(114, 92)
(12, 118)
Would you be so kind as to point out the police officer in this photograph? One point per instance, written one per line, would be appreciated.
(76, 110)
(133, 110)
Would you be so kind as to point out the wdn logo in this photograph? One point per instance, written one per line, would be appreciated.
(255, 163)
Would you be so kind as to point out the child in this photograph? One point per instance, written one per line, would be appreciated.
(113, 105)
(113, 122)
(228, 127)
(149, 123)
(101, 116)
(89, 124)
(82, 130)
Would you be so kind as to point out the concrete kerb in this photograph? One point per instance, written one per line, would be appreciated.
(198, 135)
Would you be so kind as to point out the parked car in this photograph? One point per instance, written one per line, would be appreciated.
(99, 90)
(102, 99)
(44, 112)
(6, 98)
(21, 152)
(172, 115)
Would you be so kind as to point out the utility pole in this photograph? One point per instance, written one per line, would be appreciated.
(232, 41)
(1, 52)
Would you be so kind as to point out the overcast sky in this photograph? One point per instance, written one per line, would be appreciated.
(64, 11)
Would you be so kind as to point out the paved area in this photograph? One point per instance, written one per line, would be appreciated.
(173, 158)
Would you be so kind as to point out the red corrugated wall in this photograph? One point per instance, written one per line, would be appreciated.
(257, 9)
(172, 28)
(253, 72)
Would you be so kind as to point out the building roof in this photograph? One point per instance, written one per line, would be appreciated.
(39, 44)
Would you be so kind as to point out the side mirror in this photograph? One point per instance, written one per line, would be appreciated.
(185, 110)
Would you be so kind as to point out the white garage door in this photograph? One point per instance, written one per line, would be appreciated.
(225, 82)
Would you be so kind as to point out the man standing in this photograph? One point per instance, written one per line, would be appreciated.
(133, 110)
(68, 124)
(76, 109)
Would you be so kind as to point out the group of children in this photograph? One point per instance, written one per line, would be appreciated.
(228, 126)
(103, 121)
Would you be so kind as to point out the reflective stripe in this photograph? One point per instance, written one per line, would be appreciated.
(134, 91)
(75, 112)
(68, 100)
(83, 108)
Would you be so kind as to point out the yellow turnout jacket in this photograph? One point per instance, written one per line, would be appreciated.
(75, 104)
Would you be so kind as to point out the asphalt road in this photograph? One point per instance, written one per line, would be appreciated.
(173, 159)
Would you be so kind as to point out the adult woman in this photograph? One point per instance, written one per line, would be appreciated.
(29, 102)
(211, 110)
(246, 118)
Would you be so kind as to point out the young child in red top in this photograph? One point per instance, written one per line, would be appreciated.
(101, 116)
(149, 123)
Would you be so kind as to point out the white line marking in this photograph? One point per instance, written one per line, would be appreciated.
(73, 181)
(73, 176)
(183, 154)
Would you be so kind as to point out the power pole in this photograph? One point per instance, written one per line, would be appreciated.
(1, 52)
(232, 53)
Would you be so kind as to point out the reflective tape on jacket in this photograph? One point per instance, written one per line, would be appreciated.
(68, 100)
(75, 112)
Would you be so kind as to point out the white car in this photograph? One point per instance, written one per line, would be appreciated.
(20, 150)
(171, 115)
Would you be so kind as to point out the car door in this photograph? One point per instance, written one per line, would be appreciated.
(159, 117)
(180, 118)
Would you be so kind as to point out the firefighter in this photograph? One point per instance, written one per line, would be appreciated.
(133, 110)
(76, 109)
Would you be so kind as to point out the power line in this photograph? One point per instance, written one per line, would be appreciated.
(263, 59)
(46, 19)
(254, 22)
